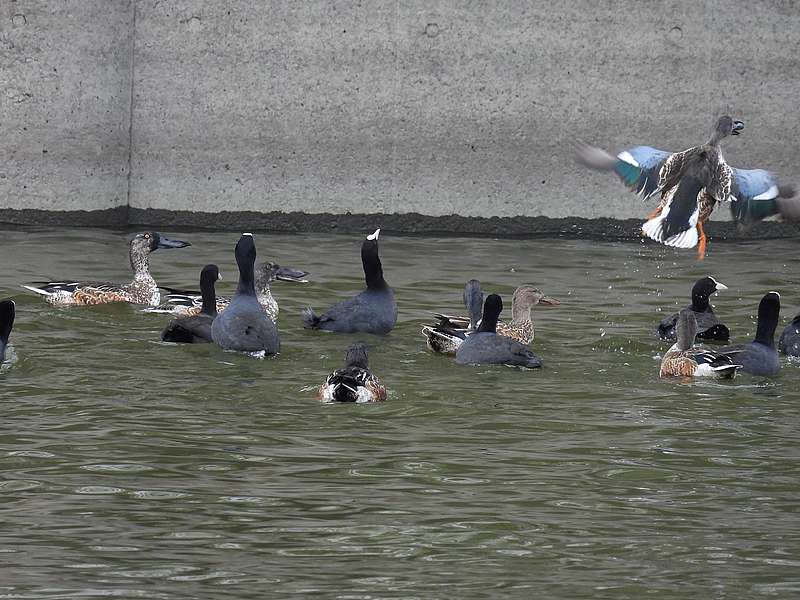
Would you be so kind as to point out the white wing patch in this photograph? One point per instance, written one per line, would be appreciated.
(770, 194)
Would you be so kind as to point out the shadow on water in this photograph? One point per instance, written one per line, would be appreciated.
(137, 468)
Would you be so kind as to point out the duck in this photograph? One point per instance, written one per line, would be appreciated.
(759, 357)
(450, 331)
(372, 311)
(182, 302)
(354, 382)
(7, 314)
(709, 327)
(244, 325)
(685, 359)
(789, 342)
(196, 328)
(690, 184)
(485, 346)
(142, 290)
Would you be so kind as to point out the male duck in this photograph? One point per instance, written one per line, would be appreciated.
(685, 359)
(196, 328)
(355, 382)
(709, 327)
(759, 356)
(142, 290)
(181, 302)
(7, 314)
(789, 342)
(447, 335)
(244, 325)
(485, 346)
(372, 311)
(690, 183)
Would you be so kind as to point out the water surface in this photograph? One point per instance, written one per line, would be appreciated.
(135, 468)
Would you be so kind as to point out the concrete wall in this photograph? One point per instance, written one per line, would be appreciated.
(65, 83)
(437, 107)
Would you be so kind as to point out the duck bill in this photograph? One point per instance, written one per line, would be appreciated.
(290, 274)
(549, 301)
(166, 243)
(737, 127)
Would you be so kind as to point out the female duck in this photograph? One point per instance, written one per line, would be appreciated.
(142, 290)
(685, 359)
(244, 325)
(446, 336)
(759, 356)
(7, 314)
(355, 382)
(196, 328)
(690, 183)
(181, 302)
(372, 311)
(709, 327)
(485, 346)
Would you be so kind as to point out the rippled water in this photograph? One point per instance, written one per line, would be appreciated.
(135, 468)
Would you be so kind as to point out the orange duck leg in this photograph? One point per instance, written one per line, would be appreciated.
(701, 243)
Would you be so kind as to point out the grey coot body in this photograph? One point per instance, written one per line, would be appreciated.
(372, 311)
(7, 314)
(485, 346)
(709, 327)
(789, 343)
(244, 326)
(196, 329)
(759, 357)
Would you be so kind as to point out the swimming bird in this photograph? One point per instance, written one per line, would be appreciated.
(355, 382)
(196, 328)
(372, 311)
(685, 359)
(7, 314)
(182, 302)
(709, 327)
(244, 325)
(142, 290)
(759, 356)
(789, 342)
(485, 346)
(690, 183)
(450, 331)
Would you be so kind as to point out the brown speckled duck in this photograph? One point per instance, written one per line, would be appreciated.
(447, 335)
(142, 290)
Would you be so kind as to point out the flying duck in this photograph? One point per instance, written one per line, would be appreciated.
(244, 325)
(7, 314)
(196, 328)
(355, 382)
(709, 327)
(450, 331)
(689, 184)
(142, 290)
(182, 302)
(685, 359)
(789, 342)
(485, 346)
(372, 311)
(759, 356)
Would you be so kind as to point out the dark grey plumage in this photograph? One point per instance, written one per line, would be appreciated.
(759, 357)
(196, 329)
(244, 325)
(789, 342)
(7, 314)
(709, 327)
(372, 311)
(486, 347)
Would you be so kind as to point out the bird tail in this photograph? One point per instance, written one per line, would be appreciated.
(310, 319)
(726, 371)
(658, 229)
(441, 340)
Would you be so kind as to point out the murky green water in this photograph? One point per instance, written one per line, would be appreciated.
(139, 469)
